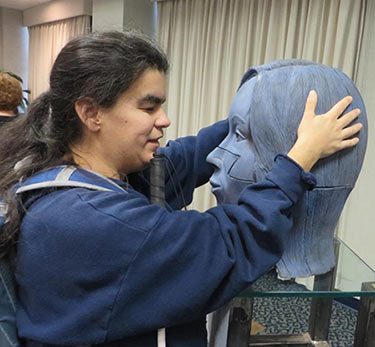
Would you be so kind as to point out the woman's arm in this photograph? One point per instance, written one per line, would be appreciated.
(186, 166)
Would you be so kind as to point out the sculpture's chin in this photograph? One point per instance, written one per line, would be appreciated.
(227, 189)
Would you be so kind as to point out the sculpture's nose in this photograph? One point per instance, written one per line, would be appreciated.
(220, 155)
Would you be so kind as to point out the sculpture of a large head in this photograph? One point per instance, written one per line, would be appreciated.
(264, 118)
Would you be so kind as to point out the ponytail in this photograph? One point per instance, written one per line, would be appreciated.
(25, 148)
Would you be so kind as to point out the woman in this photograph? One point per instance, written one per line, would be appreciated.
(107, 268)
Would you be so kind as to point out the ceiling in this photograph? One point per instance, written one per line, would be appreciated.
(21, 4)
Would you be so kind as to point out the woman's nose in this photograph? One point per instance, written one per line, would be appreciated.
(162, 120)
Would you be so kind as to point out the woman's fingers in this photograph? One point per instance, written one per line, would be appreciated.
(351, 131)
(311, 102)
(323, 135)
(349, 117)
(340, 107)
(349, 143)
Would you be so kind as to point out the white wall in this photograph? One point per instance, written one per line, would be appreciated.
(107, 15)
(138, 14)
(119, 14)
(14, 40)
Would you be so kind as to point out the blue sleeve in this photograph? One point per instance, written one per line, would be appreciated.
(101, 266)
(186, 166)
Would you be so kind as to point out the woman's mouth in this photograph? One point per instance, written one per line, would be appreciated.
(154, 143)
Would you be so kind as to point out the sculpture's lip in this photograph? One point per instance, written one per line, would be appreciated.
(215, 189)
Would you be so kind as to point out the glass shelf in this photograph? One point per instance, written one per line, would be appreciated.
(350, 272)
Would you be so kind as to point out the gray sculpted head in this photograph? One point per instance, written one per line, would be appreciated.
(264, 118)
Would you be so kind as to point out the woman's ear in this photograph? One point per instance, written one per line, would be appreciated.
(88, 111)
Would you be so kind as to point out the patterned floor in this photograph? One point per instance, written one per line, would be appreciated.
(291, 315)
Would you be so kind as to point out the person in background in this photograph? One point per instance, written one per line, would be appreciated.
(108, 268)
(10, 97)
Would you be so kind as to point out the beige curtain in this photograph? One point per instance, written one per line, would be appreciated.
(211, 43)
(358, 219)
(46, 41)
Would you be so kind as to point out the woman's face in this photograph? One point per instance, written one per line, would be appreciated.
(234, 158)
(131, 129)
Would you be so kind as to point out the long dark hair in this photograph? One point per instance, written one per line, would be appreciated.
(100, 66)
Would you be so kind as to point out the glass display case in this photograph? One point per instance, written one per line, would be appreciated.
(351, 277)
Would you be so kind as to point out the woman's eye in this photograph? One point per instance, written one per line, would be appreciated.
(149, 109)
(240, 136)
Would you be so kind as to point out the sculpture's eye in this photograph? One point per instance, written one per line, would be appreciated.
(240, 136)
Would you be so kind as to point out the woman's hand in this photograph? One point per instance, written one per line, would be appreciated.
(323, 135)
